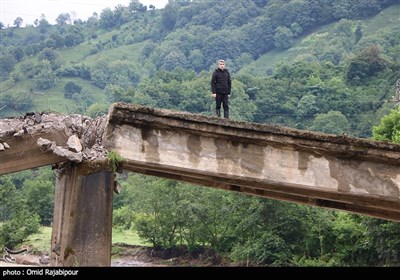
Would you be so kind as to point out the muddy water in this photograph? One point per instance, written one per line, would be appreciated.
(116, 263)
(132, 263)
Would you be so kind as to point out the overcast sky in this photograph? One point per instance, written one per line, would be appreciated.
(29, 10)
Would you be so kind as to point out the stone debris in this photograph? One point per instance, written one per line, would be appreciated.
(44, 143)
(19, 133)
(72, 156)
(4, 146)
(74, 144)
(85, 134)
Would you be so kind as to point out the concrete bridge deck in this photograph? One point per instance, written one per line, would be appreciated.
(338, 172)
(318, 169)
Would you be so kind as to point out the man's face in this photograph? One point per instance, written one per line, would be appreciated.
(221, 65)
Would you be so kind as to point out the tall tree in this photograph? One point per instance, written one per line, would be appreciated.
(18, 22)
(389, 127)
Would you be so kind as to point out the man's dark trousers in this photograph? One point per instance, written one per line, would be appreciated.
(224, 99)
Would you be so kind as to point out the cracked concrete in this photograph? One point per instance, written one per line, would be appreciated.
(341, 172)
(41, 139)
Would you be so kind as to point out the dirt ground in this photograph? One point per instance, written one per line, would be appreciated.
(130, 255)
(125, 255)
(6, 264)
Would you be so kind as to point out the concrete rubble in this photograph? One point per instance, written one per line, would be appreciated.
(85, 134)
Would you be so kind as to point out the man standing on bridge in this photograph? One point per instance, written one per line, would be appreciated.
(221, 88)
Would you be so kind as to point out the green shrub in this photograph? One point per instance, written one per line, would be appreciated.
(18, 228)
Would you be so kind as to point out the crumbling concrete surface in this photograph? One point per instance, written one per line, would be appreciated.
(334, 171)
(39, 139)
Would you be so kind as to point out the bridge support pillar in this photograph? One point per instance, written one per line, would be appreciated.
(82, 223)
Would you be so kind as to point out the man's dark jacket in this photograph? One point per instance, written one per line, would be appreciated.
(221, 81)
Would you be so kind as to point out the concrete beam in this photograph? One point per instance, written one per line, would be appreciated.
(19, 137)
(339, 172)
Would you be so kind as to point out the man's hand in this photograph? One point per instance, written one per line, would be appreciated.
(214, 95)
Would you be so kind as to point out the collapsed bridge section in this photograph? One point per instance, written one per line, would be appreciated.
(339, 172)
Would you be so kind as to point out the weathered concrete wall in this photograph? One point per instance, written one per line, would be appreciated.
(311, 168)
(82, 223)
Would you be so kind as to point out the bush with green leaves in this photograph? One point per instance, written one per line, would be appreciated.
(18, 228)
(123, 217)
(389, 127)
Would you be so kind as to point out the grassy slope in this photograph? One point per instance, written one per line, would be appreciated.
(41, 241)
(53, 100)
(128, 237)
(388, 19)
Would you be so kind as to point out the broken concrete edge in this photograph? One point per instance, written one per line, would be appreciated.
(85, 137)
(197, 124)
(86, 167)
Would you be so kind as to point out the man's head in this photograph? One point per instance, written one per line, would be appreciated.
(221, 64)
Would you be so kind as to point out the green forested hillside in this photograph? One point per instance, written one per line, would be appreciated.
(330, 38)
(323, 65)
(292, 61)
